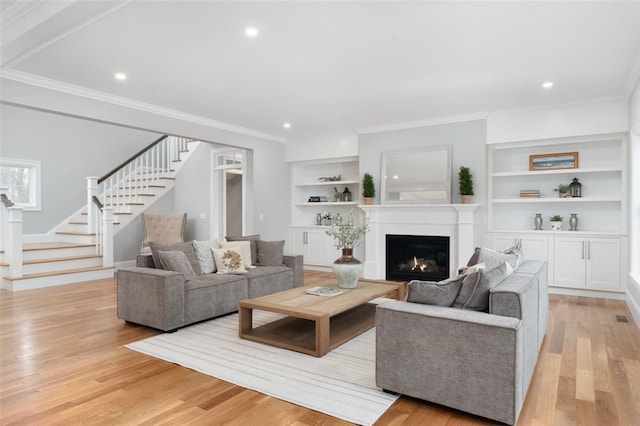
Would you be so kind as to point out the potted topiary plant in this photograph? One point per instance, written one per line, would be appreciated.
(563, 191)
(368, 189)
(465, 182)
(556, 222)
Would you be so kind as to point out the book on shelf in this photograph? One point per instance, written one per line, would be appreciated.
(324, 291)
(529, 193)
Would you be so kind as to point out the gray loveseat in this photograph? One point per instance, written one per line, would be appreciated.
(163, 299)
(477, 362)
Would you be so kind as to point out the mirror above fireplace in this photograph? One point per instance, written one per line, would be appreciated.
(416, 176)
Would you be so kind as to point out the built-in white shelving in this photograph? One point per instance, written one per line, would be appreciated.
(589, 259)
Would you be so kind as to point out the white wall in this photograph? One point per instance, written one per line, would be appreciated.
(69, 150)
(601, 117)
(633, 284)
(269, 186)
(468, 140)
(336, 146)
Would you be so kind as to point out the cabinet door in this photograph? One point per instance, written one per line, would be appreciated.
(313, 247)
(331, 253)
(569, 261)
(298, 239)
(603, 263)
(503, 242)
(533, 247)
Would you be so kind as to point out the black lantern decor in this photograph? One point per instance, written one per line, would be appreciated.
(575, 188)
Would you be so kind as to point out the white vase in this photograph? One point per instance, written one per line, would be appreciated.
(347, 269)
(556, 225)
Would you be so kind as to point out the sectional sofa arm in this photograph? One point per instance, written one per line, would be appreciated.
(296, 263)
(467, 360)
(151, 297)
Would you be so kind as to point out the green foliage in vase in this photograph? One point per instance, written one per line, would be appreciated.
(347, 234)
(368, 189)
(556, 218)
(465, 179)
(562, 189)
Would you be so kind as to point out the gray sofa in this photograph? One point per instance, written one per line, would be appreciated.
(164, 300)
(477, 362)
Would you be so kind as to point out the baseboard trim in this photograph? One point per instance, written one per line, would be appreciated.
(633, 296)
(586, 293)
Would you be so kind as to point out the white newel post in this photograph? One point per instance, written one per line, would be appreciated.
(14, 244)
(92, 209)
(107, 236)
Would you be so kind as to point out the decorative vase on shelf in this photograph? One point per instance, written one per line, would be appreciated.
(573, 222)
(347, 269)
(538, 221)
(556, 225)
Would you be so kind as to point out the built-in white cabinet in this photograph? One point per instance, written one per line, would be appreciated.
(309, 179)
(316, 247)
(592, 263)
(308, 242)
(532, 247)
(591, 258)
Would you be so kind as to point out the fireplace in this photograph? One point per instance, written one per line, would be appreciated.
(421, 257)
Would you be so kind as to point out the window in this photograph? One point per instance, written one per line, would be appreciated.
(21, 178)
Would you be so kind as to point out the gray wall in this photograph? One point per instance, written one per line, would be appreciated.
(468, 140)
(69, 150)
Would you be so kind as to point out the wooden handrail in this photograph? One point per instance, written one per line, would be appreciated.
(6, 201)
(133, 157)
(98, 203)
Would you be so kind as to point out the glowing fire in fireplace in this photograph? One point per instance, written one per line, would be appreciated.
(420, 265)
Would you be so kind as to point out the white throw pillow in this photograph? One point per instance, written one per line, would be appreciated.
(245, 250)
(228, 260)
(204, 255)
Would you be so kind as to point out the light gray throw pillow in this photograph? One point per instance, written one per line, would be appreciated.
(476, 287)
(270, 253)
(494, 258)
(186, 248)
(442, 293)
(177, 261)
(204, 255)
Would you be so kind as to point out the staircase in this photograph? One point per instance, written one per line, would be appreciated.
(81, 248)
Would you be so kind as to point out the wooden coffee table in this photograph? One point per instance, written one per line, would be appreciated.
(314, 324)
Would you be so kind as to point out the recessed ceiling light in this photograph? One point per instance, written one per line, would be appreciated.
(121, 76)
(251, 31)
(547, 84)
(287, 125)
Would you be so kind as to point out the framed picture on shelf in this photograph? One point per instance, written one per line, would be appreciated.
(562, 160)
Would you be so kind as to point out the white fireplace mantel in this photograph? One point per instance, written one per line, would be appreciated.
(455, 221)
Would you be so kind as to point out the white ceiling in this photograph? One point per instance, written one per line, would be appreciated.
(329, 67)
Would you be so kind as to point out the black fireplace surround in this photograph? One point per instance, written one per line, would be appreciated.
(420, 257)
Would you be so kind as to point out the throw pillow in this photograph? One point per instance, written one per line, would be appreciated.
(244, 247)
(270, 253)
(228, 260)
(442, 293)
(494, 258)
(478, 297)
(177, 261)
(204, 255)
(186, 248)
(252, 239)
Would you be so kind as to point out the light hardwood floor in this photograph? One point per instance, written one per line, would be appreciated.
(63, 362)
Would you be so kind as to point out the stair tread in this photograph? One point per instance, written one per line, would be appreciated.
(65, 272)
(60, 259)
(52, 245)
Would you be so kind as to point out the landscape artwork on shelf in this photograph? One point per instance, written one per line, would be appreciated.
(563, 160)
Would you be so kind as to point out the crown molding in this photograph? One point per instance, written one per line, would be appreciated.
(96, 95)
(422, 123)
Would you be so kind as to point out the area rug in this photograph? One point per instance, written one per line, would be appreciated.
(340, 384)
